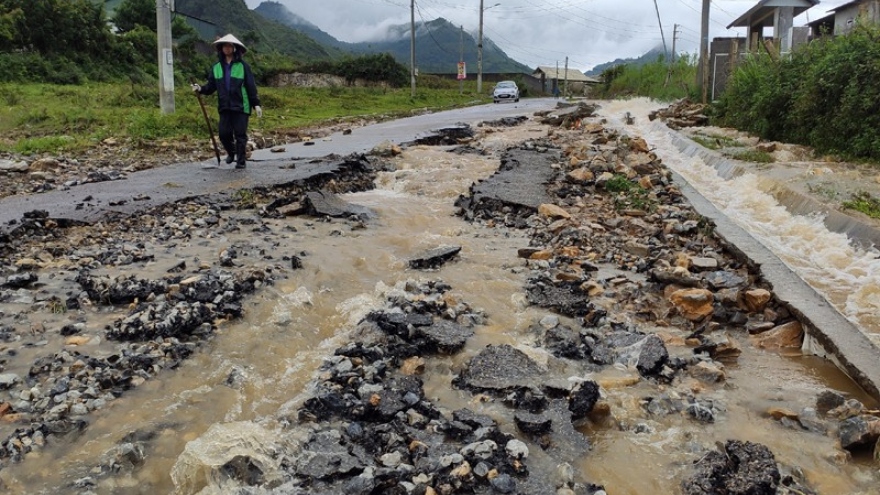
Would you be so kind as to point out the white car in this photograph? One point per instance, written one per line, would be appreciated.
(505, 90)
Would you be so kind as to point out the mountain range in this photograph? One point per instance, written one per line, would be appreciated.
(648, 57)
(439, 44)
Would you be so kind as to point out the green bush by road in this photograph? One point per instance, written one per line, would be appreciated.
(826, 95)
(659, 80)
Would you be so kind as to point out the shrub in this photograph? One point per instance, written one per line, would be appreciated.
(659, 80)
(825, 95)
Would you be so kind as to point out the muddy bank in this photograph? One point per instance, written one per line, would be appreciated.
(645, 315)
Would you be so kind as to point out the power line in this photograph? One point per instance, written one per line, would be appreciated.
(517, 13)
(542, 57)
(712, 20)
(527, 54)
(430, 32)
(715, 4)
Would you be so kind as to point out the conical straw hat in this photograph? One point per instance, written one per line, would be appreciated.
(230, 39)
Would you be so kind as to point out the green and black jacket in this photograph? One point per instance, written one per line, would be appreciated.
(238, 92)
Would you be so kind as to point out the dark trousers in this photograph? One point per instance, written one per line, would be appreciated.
(233, 133)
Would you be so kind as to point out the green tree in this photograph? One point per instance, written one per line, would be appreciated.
(376, 67)
(8, 22)
(70, 27)
(133, 13)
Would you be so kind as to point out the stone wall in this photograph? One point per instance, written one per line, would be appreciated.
(302, 80)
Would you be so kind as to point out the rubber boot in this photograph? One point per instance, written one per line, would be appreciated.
(230, 152)
(241, 153)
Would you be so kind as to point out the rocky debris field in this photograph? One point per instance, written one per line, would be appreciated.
(80, 323)
(629, 275)
(681, 114)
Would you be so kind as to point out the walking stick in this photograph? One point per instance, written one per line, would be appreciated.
(207, 121)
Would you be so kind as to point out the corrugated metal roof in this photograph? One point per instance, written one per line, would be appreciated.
(846, 5)
(570, 74)
(762, 13)
(828, 18)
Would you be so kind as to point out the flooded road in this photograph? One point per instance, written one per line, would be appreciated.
(237, 393)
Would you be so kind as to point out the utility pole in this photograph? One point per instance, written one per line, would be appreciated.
(672, 58)
(412, 46)
(480, 53)
(556, 81)
(662, 36)
(565, 88)
(480, 49)
(703, 69)
(461, 56)
(165, 55)
(674, 35)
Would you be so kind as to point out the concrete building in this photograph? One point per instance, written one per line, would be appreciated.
(726, 53)
(551, 78)
(844, 18)
(778, 14)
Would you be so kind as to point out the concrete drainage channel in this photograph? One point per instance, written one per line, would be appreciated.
(828, 333)
(793, 201)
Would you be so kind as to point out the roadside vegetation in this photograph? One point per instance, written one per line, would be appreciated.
(826, 96)
(864, 202)
(629, 194)
(752, 155)
(715, 141)
(660, 80)
(36, 118)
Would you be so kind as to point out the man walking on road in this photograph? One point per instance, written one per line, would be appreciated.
(232, 79)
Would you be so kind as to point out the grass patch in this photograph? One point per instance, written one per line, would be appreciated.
(36, 117)
(629, 195)
(245, 199)
(619, 183)
(824, 190)
(715, 142)
(30, 146)
(57, 307)
(865, 203)
(655, 79)
(756, 156)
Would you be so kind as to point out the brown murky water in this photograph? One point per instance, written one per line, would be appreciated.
(195, 412)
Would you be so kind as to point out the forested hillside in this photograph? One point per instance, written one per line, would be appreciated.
(233, 16)
(439, 43)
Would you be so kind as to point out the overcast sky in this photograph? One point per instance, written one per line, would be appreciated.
(544, 32)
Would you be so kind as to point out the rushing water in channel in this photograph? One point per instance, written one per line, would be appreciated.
(236, 394)
(846, 274)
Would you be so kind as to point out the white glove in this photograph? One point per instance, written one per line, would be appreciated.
(259, 111)
(196, 88)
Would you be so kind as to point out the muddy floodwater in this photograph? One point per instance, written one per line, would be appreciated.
(239, 391)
